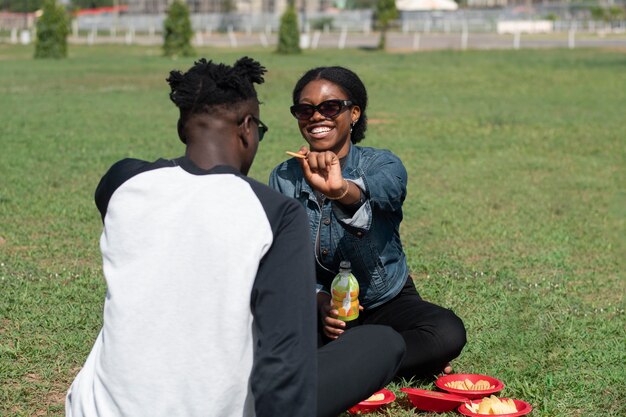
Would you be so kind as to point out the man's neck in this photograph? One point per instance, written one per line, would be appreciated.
(206, 155)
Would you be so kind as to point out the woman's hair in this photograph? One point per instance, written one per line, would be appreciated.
(207, 85)
(349, 82)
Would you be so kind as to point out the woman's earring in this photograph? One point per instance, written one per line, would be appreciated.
(352, 126)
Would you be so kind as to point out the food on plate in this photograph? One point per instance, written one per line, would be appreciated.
(376, 397)
(468, 385)
(492, 406)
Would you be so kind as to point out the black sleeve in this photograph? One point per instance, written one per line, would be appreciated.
(284, 374)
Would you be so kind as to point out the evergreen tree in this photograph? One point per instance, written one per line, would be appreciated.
(177, 31)
(52, 30)
(229, 6)
(20, 6)
(385, 13)
(288, 33)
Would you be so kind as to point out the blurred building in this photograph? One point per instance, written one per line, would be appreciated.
(277, 7)
(225, 6)
(487, 3)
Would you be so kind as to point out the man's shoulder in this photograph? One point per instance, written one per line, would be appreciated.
(127, 168)
(119, 173)
(278, 207)
(134, 166)
(266, 192)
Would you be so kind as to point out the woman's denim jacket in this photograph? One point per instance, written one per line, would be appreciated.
(370, 237)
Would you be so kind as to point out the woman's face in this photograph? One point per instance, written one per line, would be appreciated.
(324, 133)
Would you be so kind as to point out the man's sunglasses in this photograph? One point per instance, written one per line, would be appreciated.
(262, 127)
(328, 109)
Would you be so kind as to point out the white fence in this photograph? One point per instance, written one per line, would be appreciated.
(424, 30)
(355, 20)
(524, 26)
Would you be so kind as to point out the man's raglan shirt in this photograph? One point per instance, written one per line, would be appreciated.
(209, 308)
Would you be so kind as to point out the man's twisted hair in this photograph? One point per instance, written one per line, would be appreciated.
(208, 85)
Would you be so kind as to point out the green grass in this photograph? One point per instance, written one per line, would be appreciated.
(514, 217)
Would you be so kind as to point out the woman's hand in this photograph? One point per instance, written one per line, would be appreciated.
(332, 326)
(322, 171)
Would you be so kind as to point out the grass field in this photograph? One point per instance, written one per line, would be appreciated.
(514, 218)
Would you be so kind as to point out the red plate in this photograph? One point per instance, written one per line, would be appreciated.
(433, 400)
(365, 407)
(443, 380)
(523, 408)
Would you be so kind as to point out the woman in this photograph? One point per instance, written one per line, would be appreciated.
(353, 196)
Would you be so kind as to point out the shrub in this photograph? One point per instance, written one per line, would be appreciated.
(52, 30)
(177, 31)
(608, 14)
(288, 33)
(321, 23)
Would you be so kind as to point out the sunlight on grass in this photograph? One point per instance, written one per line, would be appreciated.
(514, 216)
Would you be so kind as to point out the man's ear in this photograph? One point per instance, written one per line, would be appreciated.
(245, 129)
(181, 131)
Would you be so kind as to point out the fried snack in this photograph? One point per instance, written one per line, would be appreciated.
(456, 385)
(468, 385)
(295, 155)
(482, 385)
(492, 406)
(376, 397)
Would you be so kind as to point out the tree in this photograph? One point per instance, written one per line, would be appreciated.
(385, 13)
(608, 14)
(229, 6)
(288, 33)
(20, 6)
(360, 4)
(177, 31)
(52, 30)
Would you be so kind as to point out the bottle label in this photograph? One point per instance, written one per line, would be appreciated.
(345, 293)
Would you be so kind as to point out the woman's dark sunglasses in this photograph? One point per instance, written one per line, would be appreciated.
(262, 127)
(328, 109)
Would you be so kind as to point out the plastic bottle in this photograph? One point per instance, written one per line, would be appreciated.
(345, 293)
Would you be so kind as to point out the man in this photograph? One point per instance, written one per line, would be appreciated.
(209, 275)
(210, 307)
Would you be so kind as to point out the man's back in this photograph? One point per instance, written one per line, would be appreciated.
(196, 262)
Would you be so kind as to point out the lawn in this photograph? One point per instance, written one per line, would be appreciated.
(514, 218)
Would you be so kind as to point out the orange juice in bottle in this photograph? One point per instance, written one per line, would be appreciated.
(345, 293)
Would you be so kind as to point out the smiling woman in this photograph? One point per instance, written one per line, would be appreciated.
(354, 197)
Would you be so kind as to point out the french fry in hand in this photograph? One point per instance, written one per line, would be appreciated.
(295, 155)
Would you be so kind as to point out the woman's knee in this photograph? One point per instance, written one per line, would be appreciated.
(452, 334)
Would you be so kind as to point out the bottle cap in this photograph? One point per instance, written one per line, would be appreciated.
(345, 265)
